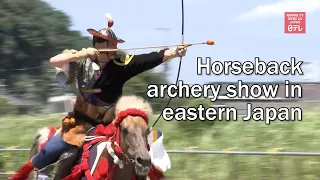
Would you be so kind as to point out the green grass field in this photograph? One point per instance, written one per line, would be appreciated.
(251, 136)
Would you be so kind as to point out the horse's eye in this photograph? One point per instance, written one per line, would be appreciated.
(125, 130)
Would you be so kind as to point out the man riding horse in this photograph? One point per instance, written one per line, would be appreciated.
(100, 78)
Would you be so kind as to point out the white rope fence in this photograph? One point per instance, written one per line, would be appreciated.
(192, 150)
(274, 151)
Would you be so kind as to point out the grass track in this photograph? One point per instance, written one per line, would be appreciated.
(251, 136)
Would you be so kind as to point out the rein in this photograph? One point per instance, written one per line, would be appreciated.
(111, 134)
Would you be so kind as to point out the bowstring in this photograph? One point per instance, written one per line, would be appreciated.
(179, 68)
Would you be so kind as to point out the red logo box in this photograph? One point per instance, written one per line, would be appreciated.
(295, 22)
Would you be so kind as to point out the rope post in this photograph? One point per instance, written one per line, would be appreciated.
(234, 169)
(273, 151)
(7, 174)
(279, 159)
(12, 149)
(10, 172)
(190, 149)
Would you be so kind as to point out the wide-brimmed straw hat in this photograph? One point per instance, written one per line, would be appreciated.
(106, 33)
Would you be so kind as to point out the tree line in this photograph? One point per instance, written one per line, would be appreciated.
(31, 32)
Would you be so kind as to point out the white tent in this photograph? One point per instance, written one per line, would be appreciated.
(61, 104)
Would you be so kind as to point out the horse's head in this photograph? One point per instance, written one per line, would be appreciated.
(132, 114)
(134, 131)
(127, 140)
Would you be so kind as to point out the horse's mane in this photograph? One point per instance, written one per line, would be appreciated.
(127, 102)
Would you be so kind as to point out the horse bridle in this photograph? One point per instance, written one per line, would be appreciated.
(128, 160)
(115, 138)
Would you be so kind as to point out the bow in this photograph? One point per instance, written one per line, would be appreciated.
(179, 69)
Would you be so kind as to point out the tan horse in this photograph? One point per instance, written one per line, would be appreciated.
(125, 138)
(131, 116)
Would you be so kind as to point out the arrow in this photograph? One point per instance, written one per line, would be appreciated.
(208, 42)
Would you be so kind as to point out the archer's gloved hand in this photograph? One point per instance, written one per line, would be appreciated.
(180, 51)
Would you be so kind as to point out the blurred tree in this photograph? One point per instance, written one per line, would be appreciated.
(32, 32)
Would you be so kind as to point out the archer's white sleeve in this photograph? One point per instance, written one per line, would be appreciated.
(65, 69)
(159, 156)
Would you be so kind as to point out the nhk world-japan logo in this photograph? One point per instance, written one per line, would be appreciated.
(295, 22)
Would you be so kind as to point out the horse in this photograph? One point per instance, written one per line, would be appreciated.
(118, 150)
(121, 147)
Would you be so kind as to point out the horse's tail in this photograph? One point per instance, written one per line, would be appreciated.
(24, 171)
(41, 137)
(34, 148)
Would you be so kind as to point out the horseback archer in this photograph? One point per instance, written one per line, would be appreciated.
(100, 77)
